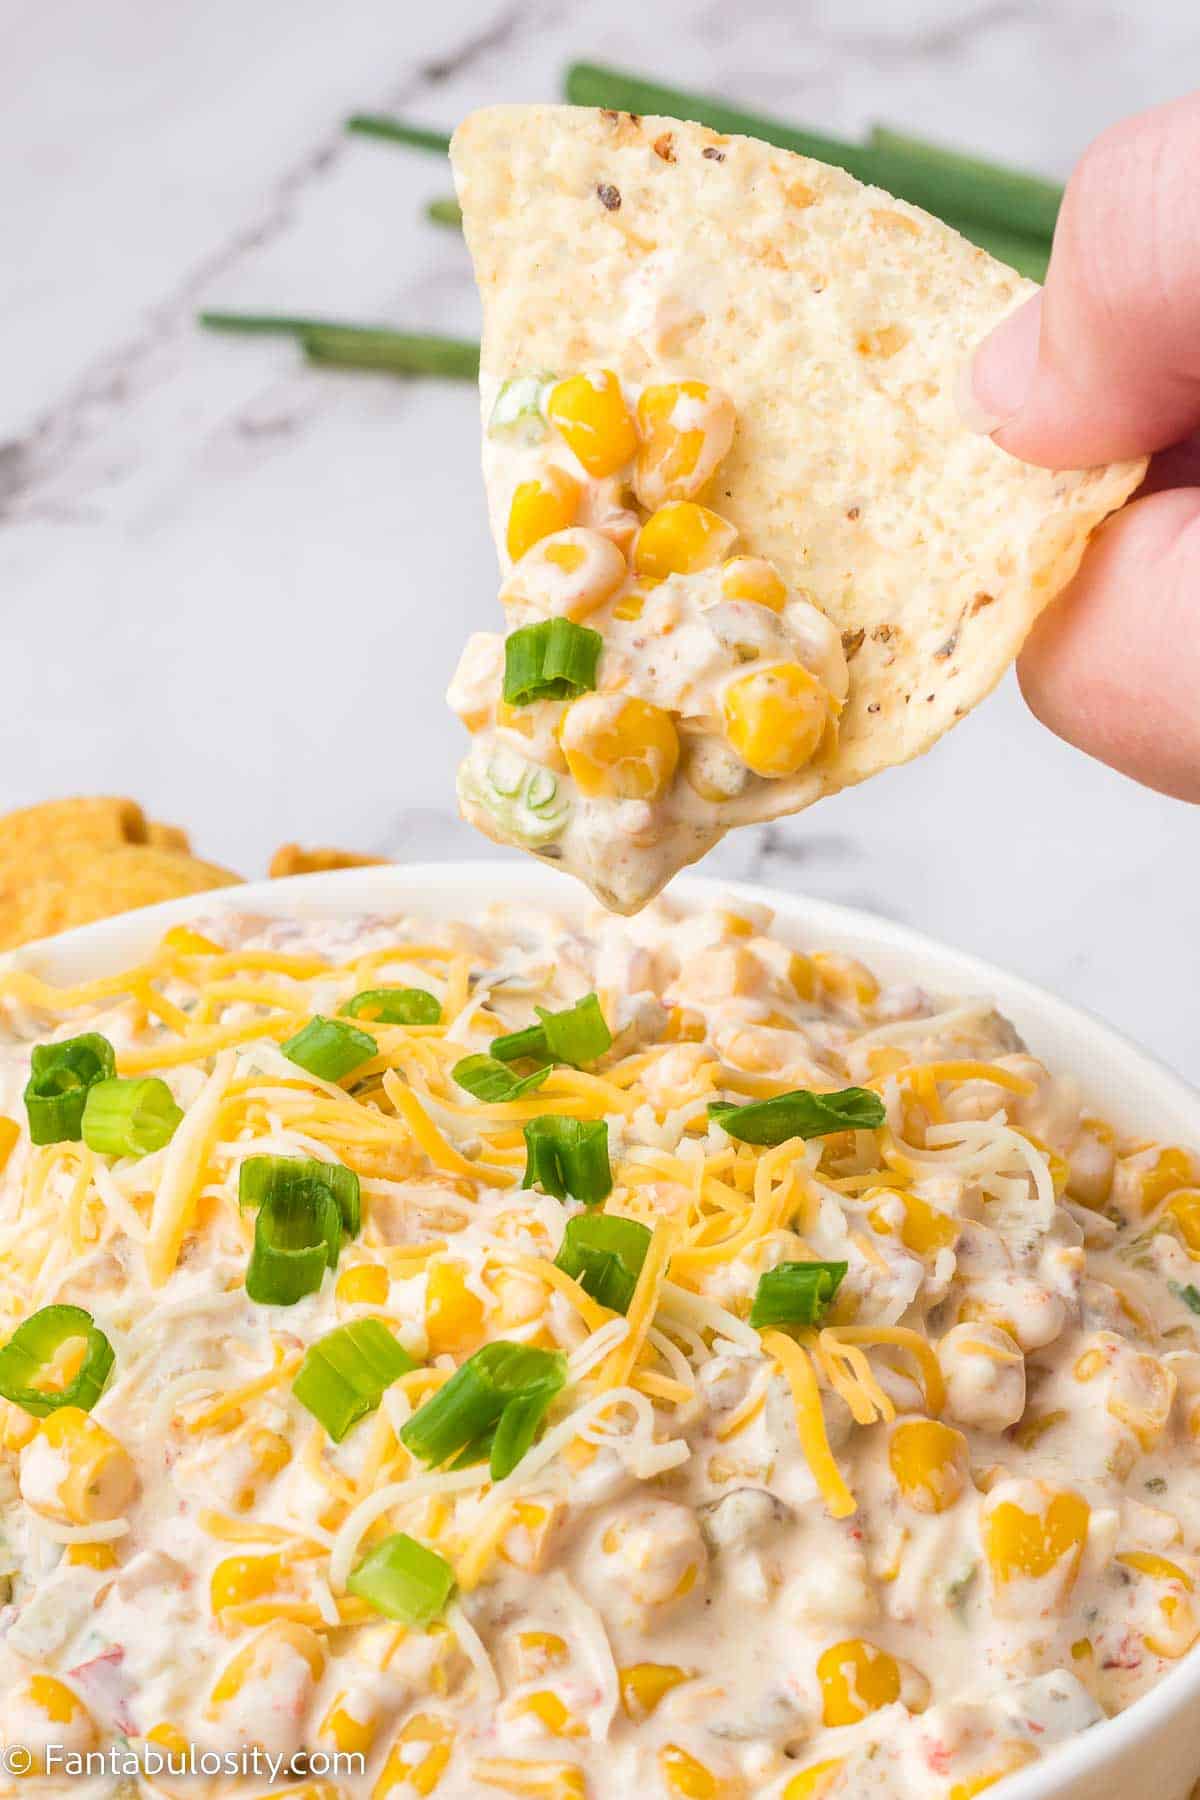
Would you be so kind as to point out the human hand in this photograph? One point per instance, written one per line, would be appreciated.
(1104, 364)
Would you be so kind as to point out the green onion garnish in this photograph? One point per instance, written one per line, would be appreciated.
(394, 1006)
(329, 1049)
(59, 1079)
(280, 1178)
(801, 1114)
(472, 1405)
(552, 660)
(404, 1581)
(605, 1255)
(444, 212)
(329, 341)
(568, 1157)
(29, 1355)
(398, 131)
(344, 1374)
(489, 1080)
(796, 1293)
(297, 1236)
(516, 1430)
(577, 1035)
(129, 1118)
(1189, 1294)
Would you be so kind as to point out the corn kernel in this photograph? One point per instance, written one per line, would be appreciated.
(844, 978)
(10, 1136)
(537, 1652)
(929, 1461)
(856, 1678)
(259, 1658)
(91, 1556)
(754, 578)
(686, 429)
(1172, 1169)
(590, 412)
(100, 1479)
(526, 1544)
(645, 1685)
(775, 718)
(345, 1730)
(550, 1712)
(453, 1314)
(683, 1775)
(566, 574)
(1020, 1543)
(406, 1768)
(50, 1713)
(238, 1579)
(546, 504)
(365, 1284)
(1184, 1210)
(271, 1453)
(545, 1780)
(1140, 1396)
(817, 1782)
(168, 1737)
(923, 1228)
(681, 538)
(619, 747)
(1014, 1757)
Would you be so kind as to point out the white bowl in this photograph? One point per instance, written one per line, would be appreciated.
(1152, 1747)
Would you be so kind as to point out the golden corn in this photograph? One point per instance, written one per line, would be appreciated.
(406, 1767)
(272, 1453)
(645, 1685)
(566, 574)
(526, 1544)
(66, 1720)
(544, 1780)
(619, 748)
(345, 1730)
(686, 428)
(754, 578)
(1184, 1210)
(680, 538)
(91, 1556)
(930, 1463)
(1019, 1543)
(168, 1737)
(453, 1314)
(923, 1228)
(844, 978)
(10, 1135)
(1014, 1757)
(100, 1479)
(238, 1579)
(1172, 1169)
(550, 1712)
(1140, 1396)
(817, 1782)
(856, 1678)
(537, 1652)
(775, 718)
(683, 1775)
(258, 1658)
(548, 503)
(365, 1284)
(590, 412)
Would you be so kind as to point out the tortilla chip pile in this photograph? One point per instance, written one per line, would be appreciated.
(67, 862)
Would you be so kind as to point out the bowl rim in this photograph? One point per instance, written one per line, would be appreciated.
(70, 956)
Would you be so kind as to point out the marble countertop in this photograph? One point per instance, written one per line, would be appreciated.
(235, 588)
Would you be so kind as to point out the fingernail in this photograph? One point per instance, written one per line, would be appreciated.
(995, 384)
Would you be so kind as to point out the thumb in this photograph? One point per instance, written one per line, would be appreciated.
(1105, 363)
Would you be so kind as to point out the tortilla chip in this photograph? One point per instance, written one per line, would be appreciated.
(839, 321)
(101, 820)
(83, 883)
(290, 859)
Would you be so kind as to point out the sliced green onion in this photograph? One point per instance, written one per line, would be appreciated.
(1189, 1294)
(297, 1236)
(552, 660)
(604, 1254)
(28, 1357)
(394, 1006)
(345, 1374)
(577, 1035)
(59, 1078)
(445, 212)
(404, 1580)
(282, 1178)
(517, 411)
(129, 1118)
(398, 131)
(329, 1049)
(515, 1432)
(970, 185)
(473, 1402)
(801, 1114)
(489, 1080)
(330, 341)
(796, 1293)
(568, 1157)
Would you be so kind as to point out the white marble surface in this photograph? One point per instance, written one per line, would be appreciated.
(235, 588)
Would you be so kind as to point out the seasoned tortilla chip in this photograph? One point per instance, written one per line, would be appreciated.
(290, 859)
(101, 820)
(84, 883)
(839, 321)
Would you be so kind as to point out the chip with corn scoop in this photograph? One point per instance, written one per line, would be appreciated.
(836, 321)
